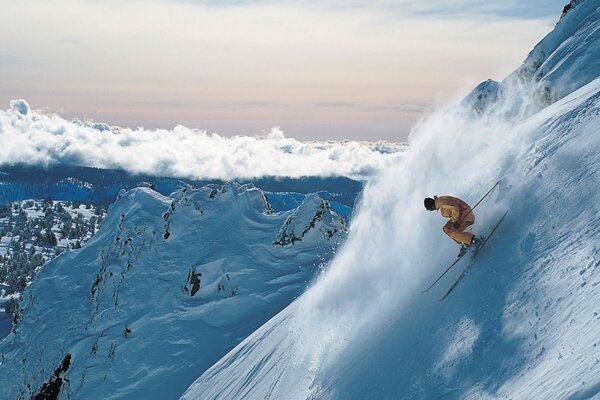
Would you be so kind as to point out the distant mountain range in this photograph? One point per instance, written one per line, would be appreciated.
(101, 186)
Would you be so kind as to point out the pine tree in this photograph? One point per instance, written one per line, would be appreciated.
(51, 238)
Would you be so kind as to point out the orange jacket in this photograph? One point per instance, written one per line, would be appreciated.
(453, 208)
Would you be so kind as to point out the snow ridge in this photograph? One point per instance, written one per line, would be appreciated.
(314, 214)
(562, 62)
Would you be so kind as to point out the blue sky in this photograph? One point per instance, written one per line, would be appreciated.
(319, 70)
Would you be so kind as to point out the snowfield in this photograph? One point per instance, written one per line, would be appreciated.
(524, 323)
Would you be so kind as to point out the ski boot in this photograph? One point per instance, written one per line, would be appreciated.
(476, 242)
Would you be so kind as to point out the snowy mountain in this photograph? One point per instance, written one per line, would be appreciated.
(565, 60)
(164, 289)
(524, 323)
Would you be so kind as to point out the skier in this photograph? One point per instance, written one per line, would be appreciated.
(460, 215)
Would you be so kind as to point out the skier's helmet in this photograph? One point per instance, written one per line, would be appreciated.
(429, 204)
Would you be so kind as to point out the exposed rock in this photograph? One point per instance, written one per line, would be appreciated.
(313, 214)
(51, 389)
(193, 282)
(572, 4)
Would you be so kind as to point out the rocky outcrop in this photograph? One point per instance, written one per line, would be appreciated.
(567, 8)
(313, 215)
(51, 389)
(193, 282)
(483, 96)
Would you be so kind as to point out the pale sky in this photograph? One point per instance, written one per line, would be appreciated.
(335, 69)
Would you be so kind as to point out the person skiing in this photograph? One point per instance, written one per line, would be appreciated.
(461, 217)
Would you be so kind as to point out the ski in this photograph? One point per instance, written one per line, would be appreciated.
(473, 257)
(444, 273)
(458, 259)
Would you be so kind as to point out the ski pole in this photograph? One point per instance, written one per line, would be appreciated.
(486, 195)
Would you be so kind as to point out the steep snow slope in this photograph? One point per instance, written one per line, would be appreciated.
(565, 60)
(166, 287)
(523, 324)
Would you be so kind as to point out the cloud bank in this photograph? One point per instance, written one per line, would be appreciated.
(325, 70)
(34, 138)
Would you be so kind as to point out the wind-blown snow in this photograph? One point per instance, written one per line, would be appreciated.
(35, 138)
(523, 324)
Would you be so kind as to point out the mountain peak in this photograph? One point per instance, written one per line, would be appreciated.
(313, 215)
(572, 4)
(563, 61)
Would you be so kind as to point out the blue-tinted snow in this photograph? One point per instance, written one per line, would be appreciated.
(122, 306)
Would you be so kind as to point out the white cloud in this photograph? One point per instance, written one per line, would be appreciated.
(246, 67)
(32, 137)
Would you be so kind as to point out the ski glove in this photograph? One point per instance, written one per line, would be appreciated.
(456, 225)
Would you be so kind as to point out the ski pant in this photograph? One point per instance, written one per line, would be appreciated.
(458, 234)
